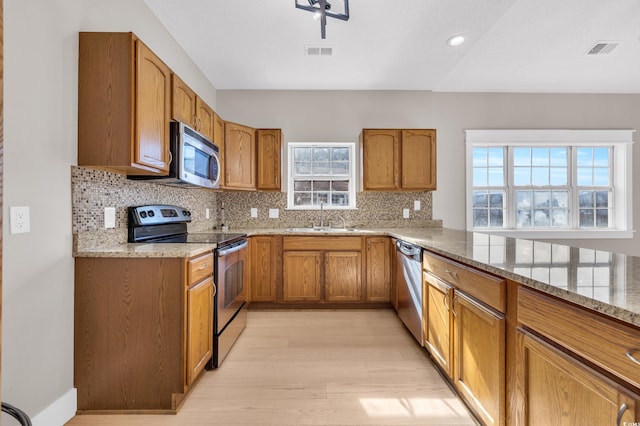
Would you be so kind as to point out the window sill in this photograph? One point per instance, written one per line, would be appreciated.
(560, 234)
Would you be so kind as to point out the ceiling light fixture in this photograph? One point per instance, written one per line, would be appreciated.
(456, 40)
(321, 9)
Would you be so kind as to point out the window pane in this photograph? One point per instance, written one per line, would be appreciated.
(480, 157)
(560, 218)
(480, 199)
(524, 199)
(302, 185)
(601, 157)
(541, 199)
(496, 177)
(302, 168)
(523, 218)
(586, 217)
(496, 157)
(585, 176)
(302, 199)
(319, 197)
(540, 156)
(522, 176)
(480, 218)
(560, 199)
(321, 168)
(340, 185)
(340, 168)
(540, 176)
(321, 185)
(302, 154)
(586, 199)
(340, 154)
(601, 177)
(496, 200)
(585, 157)
(496, 217)
(558, 157)
(479, 176)
(541, 218)
(558, 176)
(321, 154)
(602, 198)
(522, 156)
(602, 218)
(340, 199)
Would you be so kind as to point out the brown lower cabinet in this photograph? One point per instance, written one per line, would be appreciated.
(265, 253)
(143, 331)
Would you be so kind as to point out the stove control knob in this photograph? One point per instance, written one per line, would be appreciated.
(151, 213)
(186, 213)
(143, 214)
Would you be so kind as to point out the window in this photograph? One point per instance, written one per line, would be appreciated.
(550, 183)
(321, 173)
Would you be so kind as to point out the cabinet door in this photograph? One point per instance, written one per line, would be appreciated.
(269, 154)
(266, 256)
(378, 269)
(560, 390)
(153, 109)
(239, 157)
(301, 277)
(437, 321)
(183, 102)
(380, 159)
(218, 139)
(204, 119)
(199, 327)
(479, 358)
(343, 276)
(418, 159)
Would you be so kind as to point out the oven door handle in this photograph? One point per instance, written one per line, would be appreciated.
(233, 249)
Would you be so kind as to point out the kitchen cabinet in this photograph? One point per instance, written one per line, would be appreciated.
(200, 294)
(269, 159)
(574, 366)
(239, 157)
(379, 269)
(468, 340)
(265, 253)
(124, 105)
(187, 107)
(397, 159)
(143, 327)
(322, 269)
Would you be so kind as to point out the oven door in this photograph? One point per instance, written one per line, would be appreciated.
(230, 282)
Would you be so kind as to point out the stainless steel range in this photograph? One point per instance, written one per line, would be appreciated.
(168, 224)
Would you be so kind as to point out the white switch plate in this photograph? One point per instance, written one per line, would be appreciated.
(254, 212)
(274, 213)
(207, 214)
(416, 205)
(109, 217)
(19, 220)
(405, 213)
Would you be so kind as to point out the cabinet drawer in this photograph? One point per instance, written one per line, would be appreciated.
(199, 267)
(484, 287)
(604, 342)
(322, 243)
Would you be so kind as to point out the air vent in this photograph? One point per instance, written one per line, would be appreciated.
(603, 48)
(318, 50)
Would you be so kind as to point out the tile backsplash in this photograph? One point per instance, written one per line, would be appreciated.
(93, 190)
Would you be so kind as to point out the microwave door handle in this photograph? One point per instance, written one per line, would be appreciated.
(233, 249)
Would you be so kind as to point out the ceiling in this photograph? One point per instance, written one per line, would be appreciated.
(512, 46)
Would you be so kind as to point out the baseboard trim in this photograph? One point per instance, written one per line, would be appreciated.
(60, 412)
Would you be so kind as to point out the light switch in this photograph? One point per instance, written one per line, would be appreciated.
(416, 205)
(207, 214)
(109, 217)
(274, 213)
(405, 213)
(254, 212)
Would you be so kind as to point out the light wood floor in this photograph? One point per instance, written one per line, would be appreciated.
(315, 367)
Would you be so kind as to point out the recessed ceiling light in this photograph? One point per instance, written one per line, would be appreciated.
(456, 40)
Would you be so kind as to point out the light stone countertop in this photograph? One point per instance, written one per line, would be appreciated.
(606, 282)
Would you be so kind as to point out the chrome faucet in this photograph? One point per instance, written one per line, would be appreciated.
(344, 221)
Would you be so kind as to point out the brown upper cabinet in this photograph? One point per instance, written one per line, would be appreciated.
(124, 105)
(239, 157)
(187, 107)
(269, 159)
(396, 159)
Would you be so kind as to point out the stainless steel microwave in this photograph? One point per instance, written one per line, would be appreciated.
(195, 160)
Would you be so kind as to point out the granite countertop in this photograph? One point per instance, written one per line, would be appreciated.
(603, 281)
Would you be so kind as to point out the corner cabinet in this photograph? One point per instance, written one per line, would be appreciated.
(142, 332)
(124, 105)
(398, 160)
(269, 159)
(239, 157)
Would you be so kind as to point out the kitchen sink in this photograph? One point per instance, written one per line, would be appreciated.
(320, 230)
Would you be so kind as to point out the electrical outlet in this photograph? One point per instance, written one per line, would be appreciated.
(254, 212)
(274, 213)
(416, 205)
(109, 217)
(207, 214)
(19, 220)
(405, 213)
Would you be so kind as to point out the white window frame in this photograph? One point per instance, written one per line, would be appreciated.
(621, 172)
(352, 174)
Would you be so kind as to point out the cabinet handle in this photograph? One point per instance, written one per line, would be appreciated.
(632, 358)
(621, 411)
(203, 267)
(444, 299)
(454, 274)
(453, 306)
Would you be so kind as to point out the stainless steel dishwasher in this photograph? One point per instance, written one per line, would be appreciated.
(409, 287)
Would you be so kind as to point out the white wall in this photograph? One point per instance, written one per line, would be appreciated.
(40, 128)
(337, 116)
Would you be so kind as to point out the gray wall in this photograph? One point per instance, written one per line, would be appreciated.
(340, 115)
(40, 128)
